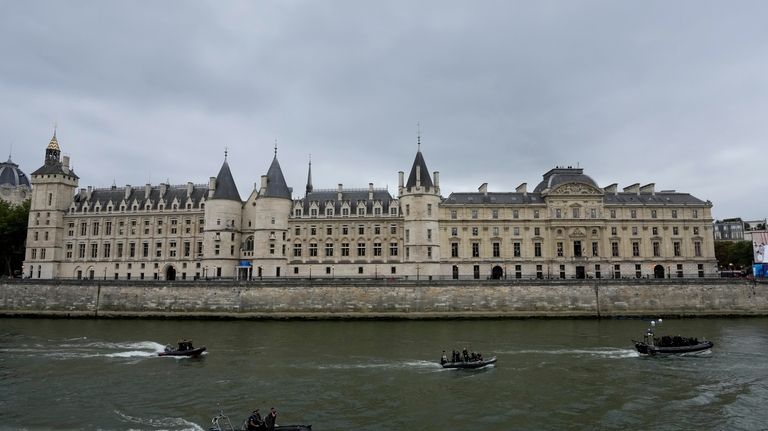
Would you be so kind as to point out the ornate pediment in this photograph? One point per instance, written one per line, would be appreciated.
(575, 189)
(577, 233)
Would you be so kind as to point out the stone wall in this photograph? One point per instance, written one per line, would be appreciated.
(321, 299)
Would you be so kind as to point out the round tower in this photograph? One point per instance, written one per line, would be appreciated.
(223, 221)
(419, 205)
(269, 217)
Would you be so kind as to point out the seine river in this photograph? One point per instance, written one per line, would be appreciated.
(365, 375)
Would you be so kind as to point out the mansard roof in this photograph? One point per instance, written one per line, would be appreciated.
(426, 180)
(659, 198)
(225, 185)
(276, 186)
(116, 195)
(354, 197)
(511, 198)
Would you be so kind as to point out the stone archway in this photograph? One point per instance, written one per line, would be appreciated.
(170, 273)
(497, 272)
(658, 271)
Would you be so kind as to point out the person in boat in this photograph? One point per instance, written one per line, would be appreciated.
(271, 419)
(444, 358)
(168, 348)
(465, 354)
(255, 422)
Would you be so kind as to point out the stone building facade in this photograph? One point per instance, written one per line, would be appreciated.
(565, 227)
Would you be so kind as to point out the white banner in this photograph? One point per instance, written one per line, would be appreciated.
(760, 246)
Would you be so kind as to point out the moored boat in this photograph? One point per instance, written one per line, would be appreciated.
(185, 348)
(670, 345)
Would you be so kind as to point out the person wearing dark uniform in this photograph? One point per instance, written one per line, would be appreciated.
(255, 423)
(444, 358)
(271, 418)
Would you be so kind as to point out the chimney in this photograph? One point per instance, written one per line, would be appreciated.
(83, 194)
(65, 163)
(128, 191)
(400, 181)
(483, 189)
(163, 189)
(263, 184)
(634, 188)
(436, 176)
(211, 186)
(648, 188)
(147, 190)
(339, 192)
(190, 188)
(370, 191)
(522, 188)
(613, 188)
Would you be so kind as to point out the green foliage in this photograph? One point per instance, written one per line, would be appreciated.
(13, 236)
(738, 253)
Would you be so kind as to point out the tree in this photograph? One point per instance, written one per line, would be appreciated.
(738, 253)
(13, 236)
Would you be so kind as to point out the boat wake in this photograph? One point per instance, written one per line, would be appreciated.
(79, 348)
(599, 352)
(426, 365)
(179, 424)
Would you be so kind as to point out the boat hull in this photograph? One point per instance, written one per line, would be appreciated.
(470, 364)
(645, 349)
(192, 353)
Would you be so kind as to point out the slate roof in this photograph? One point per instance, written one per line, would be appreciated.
(558, 176)
(116, 195)
(663, 198)
(493, 198)
(276, 186)
(225, 185)
(426, 179)
(11, 174)
(355, 197)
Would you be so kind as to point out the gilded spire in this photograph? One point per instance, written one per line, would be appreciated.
(54, 144)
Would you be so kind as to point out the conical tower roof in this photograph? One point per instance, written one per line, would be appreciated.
(225, 184)
(276, 186)
(420, 168)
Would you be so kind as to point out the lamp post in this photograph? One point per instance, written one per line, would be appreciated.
(333, 271)
(375, 272)
(417, 272)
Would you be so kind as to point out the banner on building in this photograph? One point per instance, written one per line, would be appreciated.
(759, 269)
(760, 246)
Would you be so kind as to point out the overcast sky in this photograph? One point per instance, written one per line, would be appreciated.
(667, 92)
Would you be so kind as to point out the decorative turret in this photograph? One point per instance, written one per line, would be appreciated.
(309, 178)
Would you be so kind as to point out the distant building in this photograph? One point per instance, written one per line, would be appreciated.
(566, 227)
(730, 229)
(14, 184)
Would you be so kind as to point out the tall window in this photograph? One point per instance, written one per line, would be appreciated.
(475, 249)
(676, 247)
(697, 248)
(496, 249)
(559, 249)
(656, 249)
(537, 249)
(454, 249)
(361, 249)
(635, 249)
(516, 249)
(615, 249)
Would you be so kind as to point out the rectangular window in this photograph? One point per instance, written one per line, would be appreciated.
(576, 212)
(81, 251)
(344, 230)
(597, 271)
(361, 249)
(429, 209)
(537, 231)
(617, 271)
(107, 250)
(558, 213)
(475, 249)
(697, 248)
(635, 249)
(429, 235)
(518, 271)
(495, 231)
(633, 213)
(638, 271)
(695, 230)
(700, 268)
(454, 249)
(145, 249)
(132, 249)
(537, 249)
(539, 271)
(454, 215)
(313, 249)
(696, 215)
(474, 214)
(361, 229)
(516, 249)
(577, 248)
(674, 213)
(679, 270)
(393, 229)
(297, 250)
(476, 271)
(515, 214)
(615, 249)
(593, 213)
(535, 213)
(393, 249)
(83, 229)
(595, 251)
(653, 213)
(496, 249)
(313, 230)
(94, 251)
(655, 230)
(475, 231)
(676, 247)
(495, 213)
(119, 249)
(345, 249)
(69, 251)
(377, 249)
(656, 249)
(187, 248)
(559, 249)
(562, 271)
(613, 213)
(329, 230)
(516, 231)
(634, 230)
(613, 230)
(329, 249)
(454, 231)
(108, 228)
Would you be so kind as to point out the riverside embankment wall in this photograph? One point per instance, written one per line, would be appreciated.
(329, 299)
